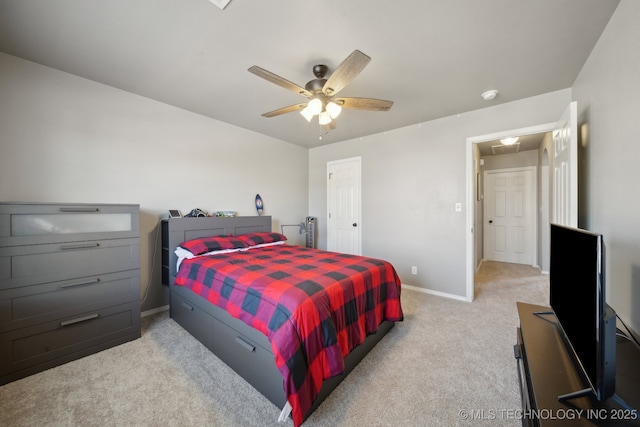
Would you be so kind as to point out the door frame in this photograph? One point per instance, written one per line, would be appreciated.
(545, 211)
(470, 190)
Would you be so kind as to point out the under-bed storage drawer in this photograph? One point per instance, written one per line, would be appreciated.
(22, 307)
(248, 352)
(250, 360)
(52, 343)
(193, 319)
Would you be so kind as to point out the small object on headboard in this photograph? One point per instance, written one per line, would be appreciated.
(197, 212)
(259, 205)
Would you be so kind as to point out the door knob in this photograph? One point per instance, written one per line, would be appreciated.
(355, 224)
(490, 221)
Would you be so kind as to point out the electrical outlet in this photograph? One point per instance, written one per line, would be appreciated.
(414, 270)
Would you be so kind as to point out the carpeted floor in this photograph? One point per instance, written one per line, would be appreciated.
(446, 360)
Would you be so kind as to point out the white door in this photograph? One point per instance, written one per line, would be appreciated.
(565, 168)
(510, 213)
(343, 223)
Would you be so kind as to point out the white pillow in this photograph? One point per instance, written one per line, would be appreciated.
(183, 254)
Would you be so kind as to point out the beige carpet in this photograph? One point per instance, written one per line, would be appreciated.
(447, 359)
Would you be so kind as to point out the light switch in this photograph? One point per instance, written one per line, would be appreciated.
(458, 207)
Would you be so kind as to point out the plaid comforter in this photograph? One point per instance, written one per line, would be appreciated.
(314, 306)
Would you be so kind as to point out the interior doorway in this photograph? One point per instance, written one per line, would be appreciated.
(563, 181)
(475, 219)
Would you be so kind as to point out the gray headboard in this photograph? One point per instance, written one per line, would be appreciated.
(178, 230)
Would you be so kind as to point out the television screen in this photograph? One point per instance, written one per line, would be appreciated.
(578, 300)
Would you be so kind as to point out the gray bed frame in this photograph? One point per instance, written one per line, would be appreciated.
(246, 350)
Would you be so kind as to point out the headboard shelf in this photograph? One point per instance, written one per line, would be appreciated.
(178, 230)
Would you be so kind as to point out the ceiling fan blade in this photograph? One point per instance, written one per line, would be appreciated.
(345, 72)
(276, 79)
(364, 104)
(285, 110)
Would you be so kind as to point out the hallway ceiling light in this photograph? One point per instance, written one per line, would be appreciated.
(509, 141)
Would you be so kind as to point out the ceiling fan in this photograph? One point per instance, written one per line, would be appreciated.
(322, 91)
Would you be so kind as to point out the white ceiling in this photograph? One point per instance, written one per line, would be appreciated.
(433, 58)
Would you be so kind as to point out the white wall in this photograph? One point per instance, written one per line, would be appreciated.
(67, 139)
(411, 179)
(608, 94)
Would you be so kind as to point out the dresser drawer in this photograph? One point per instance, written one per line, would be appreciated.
(29, 305)
(35, 264)
(34, 223)
(55, 342)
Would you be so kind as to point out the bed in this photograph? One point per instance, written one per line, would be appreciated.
(242, 304)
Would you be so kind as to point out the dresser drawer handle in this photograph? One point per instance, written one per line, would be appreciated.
(187, 306)
(79, 209)
(87, 282)
(80, 246)
(79, 319)
(245, 344)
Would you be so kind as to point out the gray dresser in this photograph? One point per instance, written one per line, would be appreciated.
(69, 283)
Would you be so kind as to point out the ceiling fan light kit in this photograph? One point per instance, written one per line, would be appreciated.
(321, 91)
(307, 114)
(324, 118)
(315, 106)
(333, 109)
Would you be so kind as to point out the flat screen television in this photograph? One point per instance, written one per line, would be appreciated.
(577, 298)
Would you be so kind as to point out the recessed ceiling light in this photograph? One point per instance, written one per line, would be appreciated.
(489, 95)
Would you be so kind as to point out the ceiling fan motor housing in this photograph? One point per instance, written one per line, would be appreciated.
(315, 86)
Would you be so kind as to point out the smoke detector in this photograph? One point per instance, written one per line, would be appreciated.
(489, 95)
(220, 3)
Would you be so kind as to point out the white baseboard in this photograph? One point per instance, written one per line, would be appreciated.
(154, 311)
(436, 293)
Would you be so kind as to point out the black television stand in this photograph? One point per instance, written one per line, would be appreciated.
(588, 392)
(575, 394)
(546, 371)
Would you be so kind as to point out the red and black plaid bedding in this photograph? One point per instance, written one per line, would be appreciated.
(314, 306)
